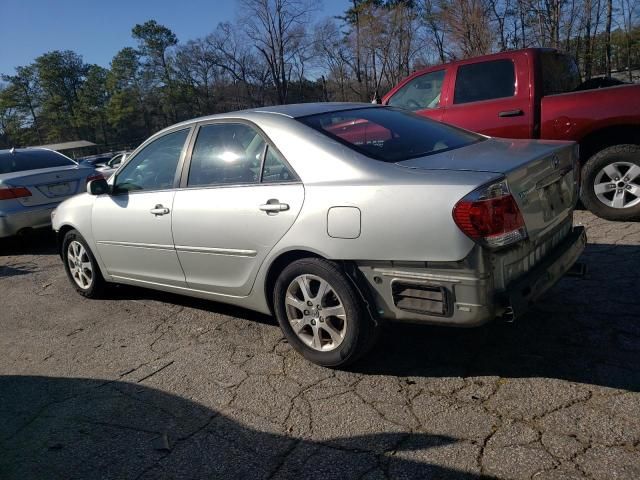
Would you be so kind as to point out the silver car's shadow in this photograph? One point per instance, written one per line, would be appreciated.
(89, 428)
(35, 242)
(583, 330)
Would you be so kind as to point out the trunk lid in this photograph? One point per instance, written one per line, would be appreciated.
(48, 185)
(541, 175)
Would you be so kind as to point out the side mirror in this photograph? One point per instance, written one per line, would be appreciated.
(98, 187)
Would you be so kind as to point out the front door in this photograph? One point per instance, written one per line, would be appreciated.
(240, 198)
(132, 226)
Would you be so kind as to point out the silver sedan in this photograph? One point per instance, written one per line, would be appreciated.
(336, 218)
(33, 182)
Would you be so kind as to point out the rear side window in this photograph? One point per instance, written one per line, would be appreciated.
(226, 153)
(421, 93)
(389, 134)
(22, 160)
(560, 73)
(485, 81)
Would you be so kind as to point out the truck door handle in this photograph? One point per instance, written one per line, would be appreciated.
(159, 210)
(511, 113)
(274, 206)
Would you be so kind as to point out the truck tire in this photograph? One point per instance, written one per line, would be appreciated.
(611, 183)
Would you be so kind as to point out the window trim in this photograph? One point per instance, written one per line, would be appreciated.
(411, 79)
(457, 72)
(184, 174)
(142, 146)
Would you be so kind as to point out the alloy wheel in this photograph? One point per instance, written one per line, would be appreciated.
(79, 264)
(316, 313)
(618, 185)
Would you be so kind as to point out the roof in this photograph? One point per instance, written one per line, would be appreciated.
(297, 110)
(66, 145)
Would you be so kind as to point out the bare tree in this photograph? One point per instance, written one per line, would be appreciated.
(277, 28)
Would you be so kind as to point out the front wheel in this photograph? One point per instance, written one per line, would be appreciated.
(81, 266)
(321, 313)
(611, 183)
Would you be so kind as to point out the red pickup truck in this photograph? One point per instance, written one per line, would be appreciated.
(537, 93)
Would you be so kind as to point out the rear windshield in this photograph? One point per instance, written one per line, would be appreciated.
(389, 134)
(560, 73)
(22, 160)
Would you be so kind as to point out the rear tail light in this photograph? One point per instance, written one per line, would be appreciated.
(490, 216)
(14, 192)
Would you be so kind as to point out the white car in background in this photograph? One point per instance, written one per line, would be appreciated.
(33, 181)
(112, 165)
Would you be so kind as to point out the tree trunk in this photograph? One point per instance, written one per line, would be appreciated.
(607, 38)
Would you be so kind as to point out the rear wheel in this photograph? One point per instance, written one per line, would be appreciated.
(321, 313)
(81, 266)
(611, 183)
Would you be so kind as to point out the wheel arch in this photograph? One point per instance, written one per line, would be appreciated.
(602, 138)
(281, 261)
(60, 236)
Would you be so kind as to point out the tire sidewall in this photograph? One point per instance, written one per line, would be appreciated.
(348, 350)
(96, 281)
(618, 153)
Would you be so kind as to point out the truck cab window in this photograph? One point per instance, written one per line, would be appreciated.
(485, 81)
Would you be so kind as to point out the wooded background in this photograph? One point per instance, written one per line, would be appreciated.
(283, 51)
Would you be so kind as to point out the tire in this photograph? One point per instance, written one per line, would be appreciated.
(618, 161)
(331, 340)
(81, 266)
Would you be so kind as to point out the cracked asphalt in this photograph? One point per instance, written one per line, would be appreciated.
(147, 385)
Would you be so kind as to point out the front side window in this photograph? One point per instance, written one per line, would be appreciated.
(153, 167)
(389, 134)
(226, 153)
(421, 93)
(485, 81)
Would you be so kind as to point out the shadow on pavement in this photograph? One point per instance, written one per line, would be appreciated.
(37, 242)
(83, 428)
(583, 330)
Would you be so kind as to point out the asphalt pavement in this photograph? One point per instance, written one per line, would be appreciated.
(148, 385)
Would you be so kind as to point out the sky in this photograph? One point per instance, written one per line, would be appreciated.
(97, 29)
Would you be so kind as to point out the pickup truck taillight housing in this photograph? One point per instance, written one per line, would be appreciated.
(490, 216)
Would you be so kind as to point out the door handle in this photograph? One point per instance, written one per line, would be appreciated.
(511, 113)
(274, 206)
(159, 210)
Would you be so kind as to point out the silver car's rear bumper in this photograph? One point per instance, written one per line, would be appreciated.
(34, 217)
(465, 298)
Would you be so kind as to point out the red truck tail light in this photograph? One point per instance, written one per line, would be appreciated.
(7, 193)
(491, 216)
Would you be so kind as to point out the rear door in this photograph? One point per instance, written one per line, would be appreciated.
(132, 226)
(423, 94)
(239, 197)
(492, 97)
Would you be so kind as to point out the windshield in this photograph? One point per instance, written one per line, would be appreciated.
(389, 134)
(22, 160)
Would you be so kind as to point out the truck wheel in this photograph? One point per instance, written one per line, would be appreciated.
(321, 313)
(611, 183)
